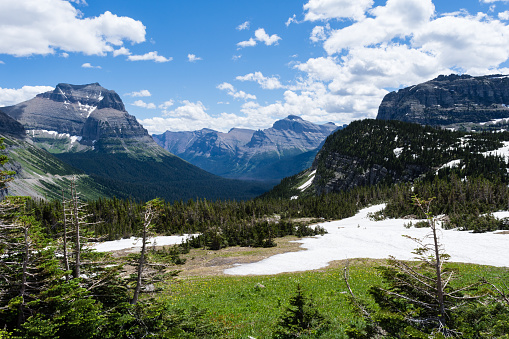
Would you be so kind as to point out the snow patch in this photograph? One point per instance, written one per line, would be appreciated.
(308, 183)
(360, 237)
(135, 243)
(450, 164)
(397, 151)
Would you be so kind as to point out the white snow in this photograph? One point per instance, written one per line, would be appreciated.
(86, 108)
(359, 237)
(450, 164)
(502, 151)
(135, 243)
(294, 197)
(398, 151)
(309, 182)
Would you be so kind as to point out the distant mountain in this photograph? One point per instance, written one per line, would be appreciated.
(88, 127)
(371, 152)
(449, 100)
(286, 148)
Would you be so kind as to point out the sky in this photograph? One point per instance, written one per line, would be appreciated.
(190, 64)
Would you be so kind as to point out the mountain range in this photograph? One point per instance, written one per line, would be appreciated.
(286, 148)
(88, 128)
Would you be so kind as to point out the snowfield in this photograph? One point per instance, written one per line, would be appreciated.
(360, 237)
(135, 243)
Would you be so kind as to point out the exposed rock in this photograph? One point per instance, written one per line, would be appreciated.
(449, 100)
(272, 153)
(10, 127)
(91, 114)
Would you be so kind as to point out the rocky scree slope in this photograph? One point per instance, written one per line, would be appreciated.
(284, 149)
(449, 100)
(371, 152)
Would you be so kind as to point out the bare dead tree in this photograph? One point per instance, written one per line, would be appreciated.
(151, 211)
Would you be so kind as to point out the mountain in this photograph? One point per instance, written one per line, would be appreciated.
(286, 148)
(87, 127)
(449, 100)
(38, 173)
(372, 152)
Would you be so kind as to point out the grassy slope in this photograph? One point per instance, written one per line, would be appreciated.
(246, 310)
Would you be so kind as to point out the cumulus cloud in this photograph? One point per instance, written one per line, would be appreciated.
(260, 36)
(142, 93)
(166, 104)
(248, 43)
(336, 9)
(194, 115)
(143, 104)
(265, 38)
(121, 51)
(320, 33)
(150, 56)
(28, 28)
(12, 96)
(89, 65)
(243, 26)
(264, 82)
(193, 58)
(235, 93)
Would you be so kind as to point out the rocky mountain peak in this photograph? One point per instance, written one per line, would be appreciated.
(91, 95)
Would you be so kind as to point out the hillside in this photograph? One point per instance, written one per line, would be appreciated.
(286, 148)
(372, 152)
(87, 127)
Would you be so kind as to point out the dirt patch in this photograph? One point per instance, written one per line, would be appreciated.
(202, 262)
(502, 232)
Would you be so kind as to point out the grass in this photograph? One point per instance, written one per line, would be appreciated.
(246, 309)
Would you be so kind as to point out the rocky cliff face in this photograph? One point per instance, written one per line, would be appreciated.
(87, 117)
(244, 153)
(10, 127)
(449, 100)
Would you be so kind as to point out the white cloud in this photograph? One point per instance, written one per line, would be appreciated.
(121, 51)
(236, 57)
(264, 82)
(154, 56)
(265, 38)
(290, 20)
(2, 63)
(261, 36)
(166, 104)
(143, 104)
(89, 65)
(193, 58)
(503, 15)
(243, 26)
(320, 33)
(248, 43)
(336, 9)
(142, 93)
(399, 18)
(492, 1)
(43, 26)
(234, 93)
(64, 55)
(12, 96)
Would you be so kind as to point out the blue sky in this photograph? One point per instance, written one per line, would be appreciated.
(190, 64)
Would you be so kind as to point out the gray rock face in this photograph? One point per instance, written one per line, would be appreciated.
(10, 127)
(449, 100)
(244, 153)
(89, 112)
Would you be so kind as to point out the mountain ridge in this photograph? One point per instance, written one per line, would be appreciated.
(246, 153)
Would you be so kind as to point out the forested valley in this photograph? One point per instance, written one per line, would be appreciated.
(54, 285)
